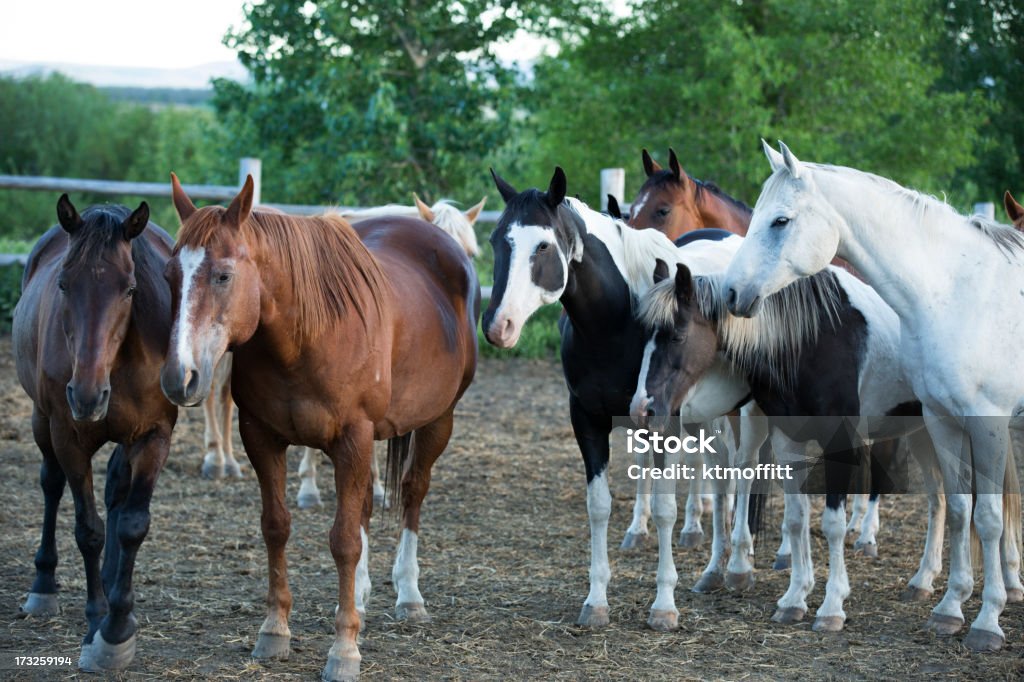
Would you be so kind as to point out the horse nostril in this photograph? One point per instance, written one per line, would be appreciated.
(731, 300)
(71, 395)
(191, 382)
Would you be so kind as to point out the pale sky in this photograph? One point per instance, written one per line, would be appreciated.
(141, 33)
(148, 33)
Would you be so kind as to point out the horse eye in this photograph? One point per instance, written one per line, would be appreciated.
(543, 246)
(678, 338)
(131, 291)
(223, 278)
(662, 212)
(780, 222)
(62, 285)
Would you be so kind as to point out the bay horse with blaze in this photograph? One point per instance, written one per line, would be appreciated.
(340, 336)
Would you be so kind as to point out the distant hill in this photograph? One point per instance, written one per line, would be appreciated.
(191, 78)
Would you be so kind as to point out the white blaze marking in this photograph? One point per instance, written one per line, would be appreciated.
(641, 384)
(635, 209)
(190, 260)
(522, 297)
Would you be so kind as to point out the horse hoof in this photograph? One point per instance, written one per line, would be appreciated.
(690, 539)
(412, 613)
(944, 625)
(634, 541)
(1014, 595)
(101, 656)
(41, 605)
(340, 670)
(828, 624)
(782, 562)
(663, 620)
(913, 593)
(870, 550)
(709, 582)
(378, 501)
(789, 615)
(309, 500)
(739, 582)
(233, 470)
(593, 616)
(270, 646)
(983, 640)
(212, 471)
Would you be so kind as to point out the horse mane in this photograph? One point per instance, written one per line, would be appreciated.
(665, 177)
(640, 248)
(332, 272)
(447, 216)
(771, 342)
(102, 228)
(929, 209)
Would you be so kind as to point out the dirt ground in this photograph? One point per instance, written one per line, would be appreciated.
(504, 555)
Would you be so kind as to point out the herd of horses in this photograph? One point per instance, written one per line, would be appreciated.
(333, 332)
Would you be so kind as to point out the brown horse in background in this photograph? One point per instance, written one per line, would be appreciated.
(339, 338)
(90, 334)
(1014, 210)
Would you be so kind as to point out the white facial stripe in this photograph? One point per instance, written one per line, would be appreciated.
(641, 382)
(522, 296)
(190, 260)
(639, 205)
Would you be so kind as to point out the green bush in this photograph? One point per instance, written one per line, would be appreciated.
(10, 291)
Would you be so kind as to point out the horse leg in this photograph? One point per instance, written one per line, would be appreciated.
(42, 601)
(691, 536)
(592, 433)
(119, 475)
(267, 456)
(379, 497)
(664, 614)
(232, 468)
(350, 455)
(309, 494)
(919, 587)
(990, 443)
(113, 647)
(792, 607)
(713, 576)
(213, 462)
(857, 512)
(636, 534)
(753, 434)
(428, 443)
(1010, 542)
(949, 440)
(363, 585)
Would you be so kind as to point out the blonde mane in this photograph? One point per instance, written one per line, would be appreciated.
(331, 272)
(447, 217)
(770, 342)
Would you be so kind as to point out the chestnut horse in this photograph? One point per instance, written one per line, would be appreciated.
(90, 335)
(1014, 211)
(339, 337)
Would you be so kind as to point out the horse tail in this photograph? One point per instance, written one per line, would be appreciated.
(1011, 513)
(759, 492)
(399, 449)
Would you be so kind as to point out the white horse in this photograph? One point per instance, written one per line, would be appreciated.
(220, 461)
(955, 283)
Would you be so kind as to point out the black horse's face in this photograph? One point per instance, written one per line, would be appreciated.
(534, 244)
(96, 285)
(679, 350)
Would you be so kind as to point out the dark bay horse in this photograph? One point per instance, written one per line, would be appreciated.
(340, 336)
(90, 334)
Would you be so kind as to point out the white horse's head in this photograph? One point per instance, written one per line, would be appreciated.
(794, 232)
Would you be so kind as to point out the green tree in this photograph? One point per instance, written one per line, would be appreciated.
(845, 82)
(363, 102)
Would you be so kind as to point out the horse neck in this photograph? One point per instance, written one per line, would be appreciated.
(894, 251)
(715, 211)
(597, 298)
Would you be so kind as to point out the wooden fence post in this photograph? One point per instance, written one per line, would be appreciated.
(613, 181)
(254, 167)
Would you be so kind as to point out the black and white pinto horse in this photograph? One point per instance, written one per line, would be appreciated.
(549, 249)
(825, 348)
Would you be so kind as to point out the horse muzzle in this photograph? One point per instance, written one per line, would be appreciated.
(183, 385)
(501, 331)
(640, 410)
(88, 404)
(743, 301)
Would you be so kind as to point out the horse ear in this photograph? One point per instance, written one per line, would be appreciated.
(424, 210)
(792, 163)
(613, 207)
(677, 169)
(660, 270)
(684, 283)
(557, 188)
(182, 204)
(241, 206)
(650, 165)
(1014, 210)
(774, 158)
(136, 222)
(67, 216)
(474, 213)
(506, 190)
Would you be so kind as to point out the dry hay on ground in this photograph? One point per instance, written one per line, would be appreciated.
(504, 556)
